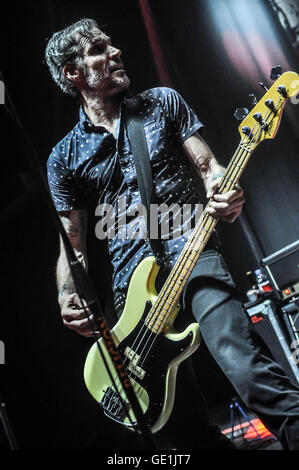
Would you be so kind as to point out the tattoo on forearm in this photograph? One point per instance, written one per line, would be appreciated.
(75, 227)
(66, 289)
(72, 228)
(202, 163)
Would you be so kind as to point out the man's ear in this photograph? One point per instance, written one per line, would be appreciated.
(72, 73)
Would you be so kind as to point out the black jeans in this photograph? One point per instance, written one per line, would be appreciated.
(225, 328)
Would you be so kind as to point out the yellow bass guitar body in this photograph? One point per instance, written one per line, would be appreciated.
(151, 359)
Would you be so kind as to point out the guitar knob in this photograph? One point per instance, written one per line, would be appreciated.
(240, 113)
(276, 72)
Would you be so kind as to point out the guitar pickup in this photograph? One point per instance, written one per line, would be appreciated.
(140, 373)
(130, 354)
(133, 366)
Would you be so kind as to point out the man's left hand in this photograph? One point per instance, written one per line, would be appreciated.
(227, 206)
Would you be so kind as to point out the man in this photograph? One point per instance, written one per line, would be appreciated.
(93, 164)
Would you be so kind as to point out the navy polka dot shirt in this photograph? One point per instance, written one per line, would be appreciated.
(89, 167)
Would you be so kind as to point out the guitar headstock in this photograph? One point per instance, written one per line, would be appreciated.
(264, 119)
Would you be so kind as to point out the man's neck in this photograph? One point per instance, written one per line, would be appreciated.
(102, 111)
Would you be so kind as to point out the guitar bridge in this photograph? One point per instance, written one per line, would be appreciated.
(112, 404)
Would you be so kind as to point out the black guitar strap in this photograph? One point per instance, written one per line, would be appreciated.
(139, 148)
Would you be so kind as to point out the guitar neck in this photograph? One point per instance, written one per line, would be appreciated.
(177, 279)
(260, 124)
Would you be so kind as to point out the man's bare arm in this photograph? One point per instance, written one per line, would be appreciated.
(73, 315)
(202, 158)
(228, 206)
(74, 223)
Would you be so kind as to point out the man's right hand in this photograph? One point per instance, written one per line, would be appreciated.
(74, 316)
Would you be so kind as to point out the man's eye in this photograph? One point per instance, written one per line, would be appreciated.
(98, 49)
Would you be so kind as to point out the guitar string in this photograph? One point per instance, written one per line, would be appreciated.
(152, 313)
(226, 181)
(151, 333)
(227, 177)
(231, 183)
(185, 263)
(214, 223)
(193, 238)
(230, 169)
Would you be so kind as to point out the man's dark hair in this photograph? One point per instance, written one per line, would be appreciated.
(65, 47)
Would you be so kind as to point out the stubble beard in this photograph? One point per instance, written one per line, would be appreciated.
(113, 83)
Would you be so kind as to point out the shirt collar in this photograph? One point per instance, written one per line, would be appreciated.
(89, 127)
(82, 116)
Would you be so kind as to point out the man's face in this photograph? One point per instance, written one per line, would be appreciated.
(103, 68)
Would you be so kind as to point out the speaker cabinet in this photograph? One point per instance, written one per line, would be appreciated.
(264, 315)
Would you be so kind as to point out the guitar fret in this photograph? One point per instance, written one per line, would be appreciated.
(239, 166)
(244, 148)
(207, 231)
(187, 270)
(198, 242)
(228, 179)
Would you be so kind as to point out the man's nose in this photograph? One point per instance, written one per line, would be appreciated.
(114, 52)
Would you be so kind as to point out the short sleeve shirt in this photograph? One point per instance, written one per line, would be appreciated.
(90, 169)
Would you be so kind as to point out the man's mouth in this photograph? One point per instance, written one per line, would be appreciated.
(116, 68)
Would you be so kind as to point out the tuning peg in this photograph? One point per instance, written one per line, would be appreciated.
(282, 90)
(240, 113)
(270, 104)
(258, 117)
(276, 72)
(253, 99)
(263, 86)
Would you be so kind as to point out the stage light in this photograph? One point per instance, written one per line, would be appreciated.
(249, 37)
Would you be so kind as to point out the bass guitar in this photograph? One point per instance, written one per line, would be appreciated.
(144, 335)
